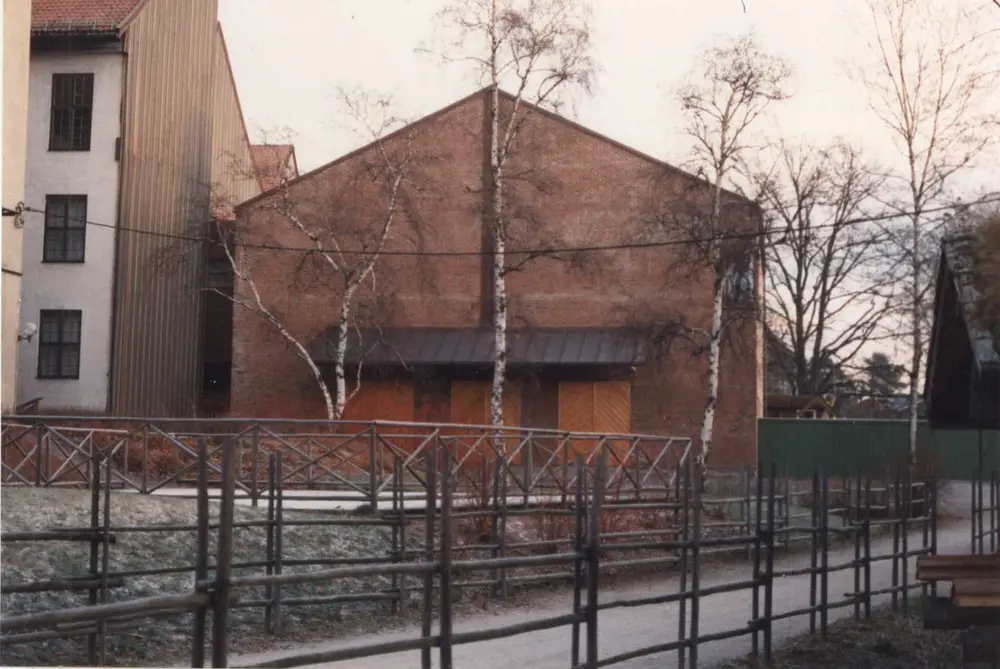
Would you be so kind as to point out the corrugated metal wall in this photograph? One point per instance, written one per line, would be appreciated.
(166, 173)
(845, 447)
(233, 178)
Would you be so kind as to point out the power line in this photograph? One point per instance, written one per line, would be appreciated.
(544, 251)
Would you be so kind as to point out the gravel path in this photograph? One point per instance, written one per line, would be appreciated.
(625, 629)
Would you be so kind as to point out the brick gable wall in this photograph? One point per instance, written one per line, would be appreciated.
(573, 188)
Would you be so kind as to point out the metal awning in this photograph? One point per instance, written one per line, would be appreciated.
(473, 347)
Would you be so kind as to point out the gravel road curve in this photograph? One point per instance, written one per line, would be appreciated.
(626, 629)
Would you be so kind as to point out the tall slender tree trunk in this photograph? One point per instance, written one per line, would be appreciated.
(499, 248)
(714, 358)
(340, 378)
(917, 340)
(715, 331)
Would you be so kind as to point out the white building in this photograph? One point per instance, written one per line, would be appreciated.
(74, 112)
(132, 111)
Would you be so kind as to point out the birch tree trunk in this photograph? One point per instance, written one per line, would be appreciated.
(499, 247)
(917, 339)
(718, 294)
(340, 354)
(714, 357)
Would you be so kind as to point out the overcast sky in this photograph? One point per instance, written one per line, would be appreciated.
(290, 57)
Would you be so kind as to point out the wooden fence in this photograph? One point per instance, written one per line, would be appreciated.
(433, 570)
(350, 462)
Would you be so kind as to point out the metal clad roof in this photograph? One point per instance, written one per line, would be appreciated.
(444, 346)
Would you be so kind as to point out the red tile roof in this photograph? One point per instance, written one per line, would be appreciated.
(269, 160)
(80, 15)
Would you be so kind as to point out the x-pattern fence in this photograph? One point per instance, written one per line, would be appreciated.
(903, 510)
(351, 461)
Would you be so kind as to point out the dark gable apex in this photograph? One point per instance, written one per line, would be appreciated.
(962, 386)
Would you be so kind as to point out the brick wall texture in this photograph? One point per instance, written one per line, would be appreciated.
(567, 187)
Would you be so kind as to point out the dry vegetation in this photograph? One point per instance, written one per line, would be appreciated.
(887, 641)
(167, 641)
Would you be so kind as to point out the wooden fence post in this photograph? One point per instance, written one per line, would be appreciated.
(994, 512)
(201, 559)
(578, 563)
(269, 544)
(372, 471)
(814, 550)
(593, 560)
(224, 558)
(401, 520)
(105, 556)
(394, 545)
(868, 548)
(769, 570)
(684, 479)
(145, 459)
(502, 535)
(495, 523)
(859, 509)
(430, 459)
(788, 510)
(254, 464)
(905, 531)
(696, 488)
(758, 540)
(895, 543)
(825, 558)
(445, 565)
(95, 509)
(279, 541)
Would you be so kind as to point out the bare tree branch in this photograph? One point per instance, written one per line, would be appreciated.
(825, 298)
(729, 90)
(931, 81)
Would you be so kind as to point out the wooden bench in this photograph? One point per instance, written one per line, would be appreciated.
(974, 605)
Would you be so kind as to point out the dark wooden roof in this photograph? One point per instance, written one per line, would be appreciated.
(473, 347)
(963, 364)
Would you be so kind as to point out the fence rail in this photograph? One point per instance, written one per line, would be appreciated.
(352, 462)
(426, 562)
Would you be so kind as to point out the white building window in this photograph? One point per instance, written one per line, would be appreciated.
(59, 344)
(72, 112)
(65, 228)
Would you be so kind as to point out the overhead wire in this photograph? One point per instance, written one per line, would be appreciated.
(541, 251)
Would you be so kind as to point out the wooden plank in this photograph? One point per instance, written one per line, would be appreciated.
(613, 407)
(470, 403)
(976, 592)
(603, 407)
(957, 567)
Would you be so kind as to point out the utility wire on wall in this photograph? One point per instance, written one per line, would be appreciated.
(546, 250)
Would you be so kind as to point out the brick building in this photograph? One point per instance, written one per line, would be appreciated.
(584, 351)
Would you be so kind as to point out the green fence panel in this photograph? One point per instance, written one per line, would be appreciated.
(874, 447)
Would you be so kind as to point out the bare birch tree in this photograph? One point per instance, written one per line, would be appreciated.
(340, 241)
(539, 49)
(825, 302)
(729, 89)
(932, 81)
